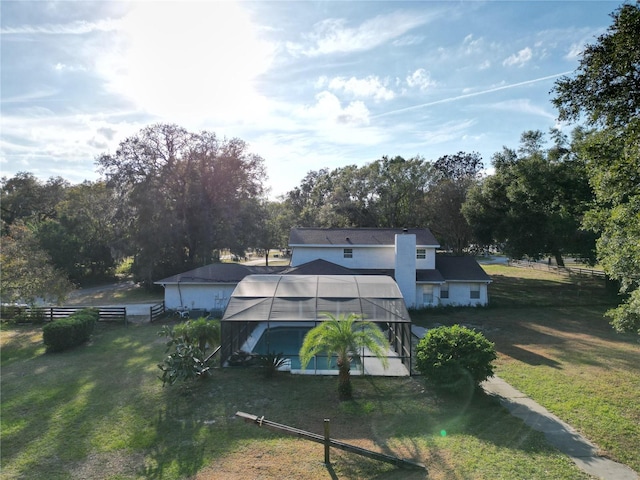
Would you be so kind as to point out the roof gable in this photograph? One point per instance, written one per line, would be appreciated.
(357, 236)
(318, 267)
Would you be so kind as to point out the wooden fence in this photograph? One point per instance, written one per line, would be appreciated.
(106, 314)
(554, 268)
(156, 311)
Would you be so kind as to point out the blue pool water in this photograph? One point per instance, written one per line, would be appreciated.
(288, 340)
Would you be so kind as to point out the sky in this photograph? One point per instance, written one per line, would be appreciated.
(307, 84)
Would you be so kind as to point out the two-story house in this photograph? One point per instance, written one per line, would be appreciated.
(425, 278)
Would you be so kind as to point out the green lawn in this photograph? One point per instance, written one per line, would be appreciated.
(100, 411)
(555, 345)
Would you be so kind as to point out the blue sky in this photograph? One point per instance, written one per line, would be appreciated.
(308, 85)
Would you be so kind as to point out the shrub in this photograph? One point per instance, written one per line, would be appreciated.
(199, 332)
(185, 363)
(271, 363)
(188, 341)
(456, 359)
(69, 332)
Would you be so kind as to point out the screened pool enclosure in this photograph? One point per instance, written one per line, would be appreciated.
(272, 313)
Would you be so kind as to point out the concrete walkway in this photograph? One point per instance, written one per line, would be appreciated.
(559, 434)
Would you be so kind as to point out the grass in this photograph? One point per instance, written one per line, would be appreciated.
(555, 345)
(99, 411)
(118, 293)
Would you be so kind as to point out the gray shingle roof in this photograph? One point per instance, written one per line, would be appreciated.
(460, 269)
(357, 236)
(219, 273)
(318, 267)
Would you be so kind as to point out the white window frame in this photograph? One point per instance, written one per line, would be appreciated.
(444, 291)
(421, 253)
(347, 253)
(474, 292)
(427, 294)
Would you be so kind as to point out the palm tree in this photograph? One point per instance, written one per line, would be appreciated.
(344, 336)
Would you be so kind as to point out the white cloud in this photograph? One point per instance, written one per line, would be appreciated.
(62, 67)
(28, 97)
(408, 40)
(448, 131)
(421, 79)
(523, 106)
(369, 87)
(73, 28)
(471, 45)
(66, 144)
(575, 51)
(333, 35)
(329, 110)
(519, 59)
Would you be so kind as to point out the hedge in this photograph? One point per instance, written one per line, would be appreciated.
(69, 332)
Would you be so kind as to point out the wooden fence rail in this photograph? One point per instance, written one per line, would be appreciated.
(327, 442)
(568, 270)
(106, 314)
(156, 311)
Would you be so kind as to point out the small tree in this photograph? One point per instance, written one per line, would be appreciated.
(455, 358)
(200, 332)
(188, 340)
(344, 336)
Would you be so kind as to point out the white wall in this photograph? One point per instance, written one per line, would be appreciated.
(405, 267)
(206, 296)
(459, 295)
(382, 257)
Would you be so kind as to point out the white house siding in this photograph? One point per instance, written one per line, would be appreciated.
(459, 294)
(364, 256)
(208, 296)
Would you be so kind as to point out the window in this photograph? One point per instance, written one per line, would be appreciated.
(348, 253)
(421, 253)
(427, 294)
(444, 291)
(475, 291)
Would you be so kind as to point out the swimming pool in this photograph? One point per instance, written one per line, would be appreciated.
(287, 338)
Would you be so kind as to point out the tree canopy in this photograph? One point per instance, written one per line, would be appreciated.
(27, 270)
(605, 89)
(183, 196)
(534, 203)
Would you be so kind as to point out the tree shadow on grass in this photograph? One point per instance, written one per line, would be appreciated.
(529, 357)
(175, 447)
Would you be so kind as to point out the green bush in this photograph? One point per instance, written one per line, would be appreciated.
(69, 332)
(200, 332)
(188, 340)
(456, 359)
(186, 362)
(271, 363)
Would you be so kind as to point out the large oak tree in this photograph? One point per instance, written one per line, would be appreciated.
(605, 91)
(184, 196)
(534, 203)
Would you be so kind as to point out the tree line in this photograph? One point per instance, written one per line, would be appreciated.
(172, 200)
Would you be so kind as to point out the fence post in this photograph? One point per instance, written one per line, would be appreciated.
(327, 442)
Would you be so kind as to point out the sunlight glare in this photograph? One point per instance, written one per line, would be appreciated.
(196, 59)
